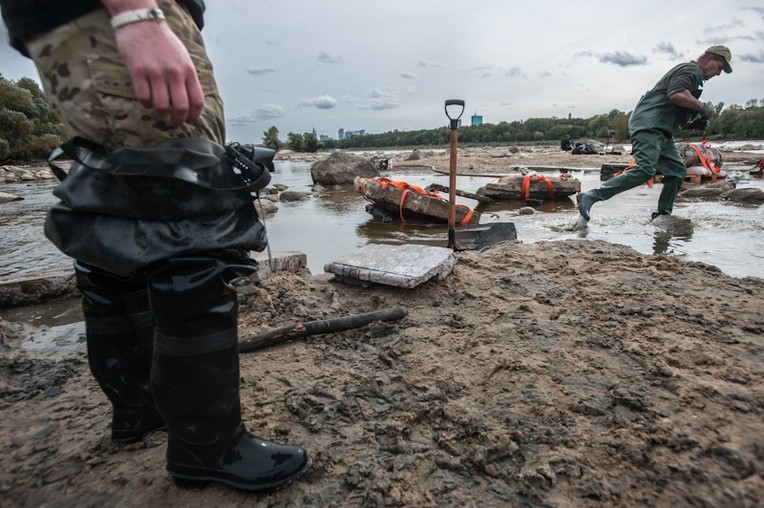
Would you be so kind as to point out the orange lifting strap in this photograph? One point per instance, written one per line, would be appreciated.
(407, 187)
(525, 193)
(705, 156)
(404, 186)
(631, 165)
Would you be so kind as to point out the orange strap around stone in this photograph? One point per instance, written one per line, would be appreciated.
(721, 155)
(525, 193)
(407, 187)
(468, 216)
(705, 159)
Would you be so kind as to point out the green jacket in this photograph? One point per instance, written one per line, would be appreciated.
(655, 111)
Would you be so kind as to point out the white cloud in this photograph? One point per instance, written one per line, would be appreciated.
(378, 100)
(623, 59)
(514, 72)
(321, 102)
(259, 71)
(425, 63)
(668, 48)
(328, 58)
(264, 112)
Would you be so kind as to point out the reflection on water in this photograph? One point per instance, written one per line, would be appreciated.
(334, 223)
(662, 243)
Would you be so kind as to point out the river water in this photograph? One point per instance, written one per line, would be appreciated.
(334, 223)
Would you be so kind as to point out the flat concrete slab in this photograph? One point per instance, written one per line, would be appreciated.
(404, 266)
(287, 261)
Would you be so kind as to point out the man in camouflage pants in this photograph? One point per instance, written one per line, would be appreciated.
(161, 317)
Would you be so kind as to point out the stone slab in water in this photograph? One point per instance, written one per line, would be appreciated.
(404, 266)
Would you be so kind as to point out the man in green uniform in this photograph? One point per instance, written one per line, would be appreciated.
(158, 222)
(660, 113)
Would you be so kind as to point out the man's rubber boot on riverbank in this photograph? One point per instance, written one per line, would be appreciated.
(195, 379)
(120, 331)
(671, 187)
(584, 203)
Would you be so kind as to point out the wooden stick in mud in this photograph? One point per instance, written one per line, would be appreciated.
(295, 331)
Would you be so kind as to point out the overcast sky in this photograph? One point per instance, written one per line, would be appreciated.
(382, 65)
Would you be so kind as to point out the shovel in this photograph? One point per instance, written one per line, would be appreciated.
(452, 170)
(475, 237)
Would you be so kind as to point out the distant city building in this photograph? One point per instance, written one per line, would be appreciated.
(343, 134)
(477, 119)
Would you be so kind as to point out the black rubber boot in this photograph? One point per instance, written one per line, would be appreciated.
(120, 331)
(195, 379)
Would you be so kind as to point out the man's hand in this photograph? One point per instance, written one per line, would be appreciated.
(163, 73)
(707, 112)
(697, 125)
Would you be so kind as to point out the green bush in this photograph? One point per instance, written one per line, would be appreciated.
(29, 128)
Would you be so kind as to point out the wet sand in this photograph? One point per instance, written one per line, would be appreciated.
(549, 374)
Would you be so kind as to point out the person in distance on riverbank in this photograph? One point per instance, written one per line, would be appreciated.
(154, 255)
(659, 114)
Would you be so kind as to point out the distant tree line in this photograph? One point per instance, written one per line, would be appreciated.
(734, 122)
(28, 127)
(307, 142)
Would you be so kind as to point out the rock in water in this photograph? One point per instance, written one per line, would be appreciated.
(675, 226)
(748, 195)
(5, 197)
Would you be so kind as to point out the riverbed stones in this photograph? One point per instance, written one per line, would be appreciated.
(743, 196)
(5, 197)
(520, 187)
(15, 174)
(290, 195)
(36, 288)
(341, 168)
(412, 205)
(673, 225)
(265, 207)
(747, 195)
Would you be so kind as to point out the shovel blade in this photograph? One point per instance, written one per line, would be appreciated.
(478, 237)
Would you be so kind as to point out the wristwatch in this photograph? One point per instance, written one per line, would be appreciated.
(136, 15)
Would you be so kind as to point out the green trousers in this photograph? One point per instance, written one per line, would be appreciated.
(653, 153)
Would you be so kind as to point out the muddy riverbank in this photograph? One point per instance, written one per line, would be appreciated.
(550, 374)
(563, 373)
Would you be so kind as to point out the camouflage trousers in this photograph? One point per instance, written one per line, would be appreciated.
(90, 89)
